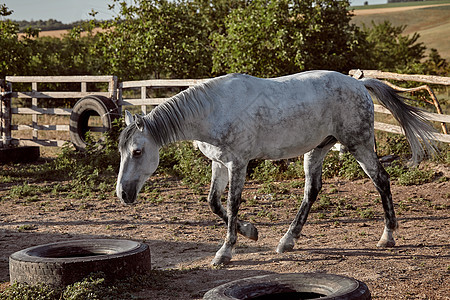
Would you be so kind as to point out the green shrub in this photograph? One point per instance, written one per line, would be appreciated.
(265, 171)
(389, 143)
(22, 191)
(396, 169)
(341, 165)
(268, 170)
(350, 168)
(185, 162)
(415, 176)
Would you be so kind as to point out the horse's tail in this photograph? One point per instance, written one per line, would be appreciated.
(412, 119)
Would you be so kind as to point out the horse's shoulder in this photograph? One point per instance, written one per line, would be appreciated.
(238, 76)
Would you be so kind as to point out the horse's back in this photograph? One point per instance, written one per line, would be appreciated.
(290, 115)
(310, 86)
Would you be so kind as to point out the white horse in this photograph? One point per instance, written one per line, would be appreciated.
(236, 118)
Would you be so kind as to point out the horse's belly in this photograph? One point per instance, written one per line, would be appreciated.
(289, 143)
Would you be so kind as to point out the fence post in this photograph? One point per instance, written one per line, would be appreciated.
(5, 113)
(112, 88)
(34, 116)
(143, 97)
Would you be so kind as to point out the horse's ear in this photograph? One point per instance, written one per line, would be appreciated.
(128, 118)
(139, 122)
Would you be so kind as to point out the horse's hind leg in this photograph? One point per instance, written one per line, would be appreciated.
(368, 160)
(313, 183)
(219, 181)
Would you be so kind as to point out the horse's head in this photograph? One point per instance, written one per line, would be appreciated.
(139, 158)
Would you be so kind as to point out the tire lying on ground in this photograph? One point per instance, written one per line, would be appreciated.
(83, 110)
(291, 286)
(63, 263)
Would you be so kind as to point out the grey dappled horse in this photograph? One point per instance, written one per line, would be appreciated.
(236, 118)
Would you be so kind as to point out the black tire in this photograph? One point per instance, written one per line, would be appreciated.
(24, 154)
(83, 110)
(63, 263)
(292, 286)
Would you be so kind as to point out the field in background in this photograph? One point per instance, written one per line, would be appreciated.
(399, 4)
(432, 22)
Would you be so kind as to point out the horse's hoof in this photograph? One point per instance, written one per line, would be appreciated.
(286, 244)
(248, 230)
(386, 243)
(221, 260)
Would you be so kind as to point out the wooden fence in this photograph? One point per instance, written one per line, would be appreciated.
(118, 93)
(436, 117)
(35, 110)
(144, 85)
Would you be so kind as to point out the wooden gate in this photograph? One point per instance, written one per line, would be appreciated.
(35, 110)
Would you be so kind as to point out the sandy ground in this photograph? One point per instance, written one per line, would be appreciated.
(339, 238)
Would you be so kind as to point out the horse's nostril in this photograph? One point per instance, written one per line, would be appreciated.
(124, 196)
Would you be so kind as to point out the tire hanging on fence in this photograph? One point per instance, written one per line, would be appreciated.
(83, 110)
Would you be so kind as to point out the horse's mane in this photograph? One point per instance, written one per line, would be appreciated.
(167, 121)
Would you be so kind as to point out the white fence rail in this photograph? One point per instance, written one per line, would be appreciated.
(118, 93)
(145, 85)
(436, 117)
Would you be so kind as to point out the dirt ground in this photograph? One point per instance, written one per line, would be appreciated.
(339, 238)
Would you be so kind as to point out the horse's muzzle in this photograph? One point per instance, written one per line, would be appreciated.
(127, 197)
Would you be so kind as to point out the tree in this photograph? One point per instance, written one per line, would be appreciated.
(214, 12)
(156, 38)
(436, 65)
(14, 54)
(270, 38)
(392, 51)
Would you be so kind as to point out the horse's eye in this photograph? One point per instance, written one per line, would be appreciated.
(137, 153)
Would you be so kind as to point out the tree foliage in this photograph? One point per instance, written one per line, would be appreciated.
(13, 54)
(204, 38)
(156, 38)
(269, 38)
(392, 51)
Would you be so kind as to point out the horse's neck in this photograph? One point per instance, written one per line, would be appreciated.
(177, 121)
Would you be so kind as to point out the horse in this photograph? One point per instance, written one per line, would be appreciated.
(237, 117)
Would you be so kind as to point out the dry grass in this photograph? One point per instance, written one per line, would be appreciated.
(431, 22)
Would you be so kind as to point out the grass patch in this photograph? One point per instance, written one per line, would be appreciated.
(94, 287)
(366, 213)
(26, 227)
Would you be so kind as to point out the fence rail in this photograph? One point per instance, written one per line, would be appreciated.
(402, 77)
(436, 117)
(144, 85)
(116, 92)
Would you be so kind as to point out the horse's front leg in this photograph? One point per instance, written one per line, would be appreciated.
(219, 181)
(237, 178)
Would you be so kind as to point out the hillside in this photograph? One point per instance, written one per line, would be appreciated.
(431, 22)
(46, 25)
